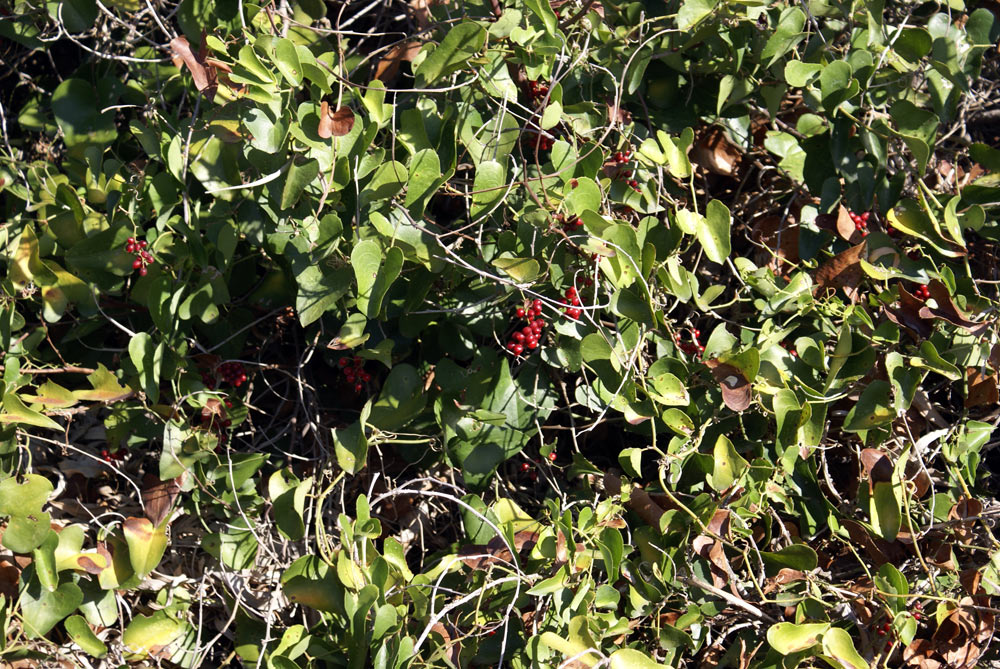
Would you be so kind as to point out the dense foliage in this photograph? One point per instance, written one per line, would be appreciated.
(485, 333)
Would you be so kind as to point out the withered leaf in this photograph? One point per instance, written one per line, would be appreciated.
(781, 239)
(983, 389)
(158, 497)
(388, 67)
(876, 466)
(334, 123)
(616, 114)
(496, 550)
(840, 224)
(714, 152)
(205, 76)
(736, 389)
(842, 271)
(947, 310)
(920, 654)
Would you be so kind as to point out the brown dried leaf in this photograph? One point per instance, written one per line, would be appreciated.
(714, 152)
(962, 636)
(334, 123)
(618, 115)
(970, 580)
(947, 310)
(842, 271)
(10, 575)
(840, 224)
(712, 551)
(876, 467)
(388, 67)
(90, 566)
(736, 389)
(983, 390)
(782, 242)
(878, 549)
(496, 550)
(450, 636)
(158, 497)
(205, 76)
(920, 654)
(719, 525)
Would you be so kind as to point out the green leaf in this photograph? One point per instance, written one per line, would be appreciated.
(146, 634)
(366, 259)
(424, 180)
(297, 179)
(836, 84)
(388, 180)
(51, 395)
(796, 556)
(147, 358)
(714, 232)
(872, 409)
(42, 609)
(44, 559)
(26, 533)
(318, 291)
(489, 188)
(786, 36)
(146, 544)
(351, 447)
(838, 646)
(693, 12)
(14, 411)
(453, 53)
(789, 638)
(287, 59)
(586, 194)
(728, 465)
(930, 359)
(77, 110)
(798, 74)
(629, 658)
(24, 496)
(310, 581)
(522, 270)
(884, 510)
(84, 637)
(401, 399)
(234, 549)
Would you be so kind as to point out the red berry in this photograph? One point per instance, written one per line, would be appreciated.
(142, 271)
(130, 240)
(536, 304)
(552, 456)
(532, 343)
(881, 632)
(570, 291)
(511, 345)
(864, 216)
(538, 324)
(136, 264)
(520, 312)
(527, 330)
(525, 466)
(518, 337)
(917, 605)
(358, 387)
(342, 362)
(917, 616)
(518, 349)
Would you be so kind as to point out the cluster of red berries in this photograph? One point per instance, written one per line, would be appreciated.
(922, 292)
(690, 347)
(919, 607)
(537, 90)
(860, 222)
(142, 256)
(108, 456)
(527, 337)
(790, 348)
(622, 158)
(232, 373)
(354, 372)
(572, 303)
(883, 629)
(571, 224)
(543, 142)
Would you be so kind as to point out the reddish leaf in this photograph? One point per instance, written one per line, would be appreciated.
(962, 636)
(712, 551)
(842, 271)
(334, 123)
(920, 654)
(970, 579)
(205, 76)
(736, 390)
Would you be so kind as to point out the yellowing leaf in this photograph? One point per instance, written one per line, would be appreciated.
(105, 387)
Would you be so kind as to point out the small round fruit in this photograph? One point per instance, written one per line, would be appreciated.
(518, 349)
(520, 312)
(142, 271)
(552, 456)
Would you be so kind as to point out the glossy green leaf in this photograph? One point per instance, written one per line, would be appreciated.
(788, 638)
(714, 232)
(84, 637)
(452, 54)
